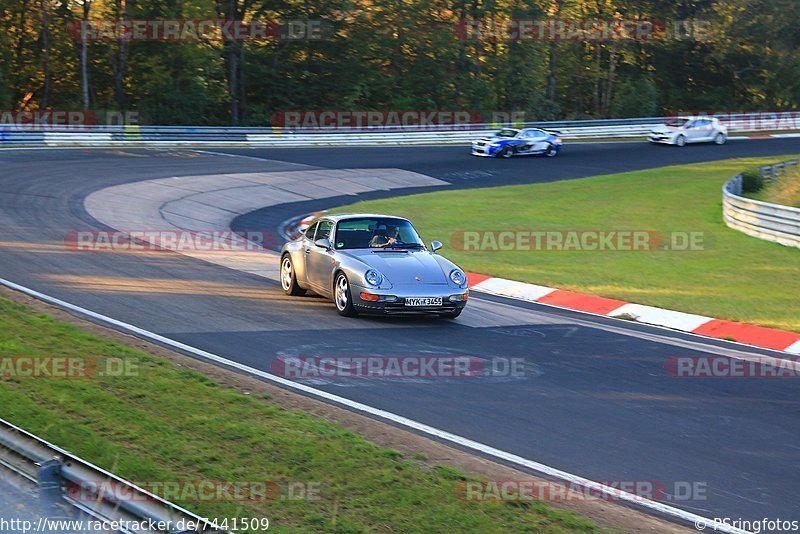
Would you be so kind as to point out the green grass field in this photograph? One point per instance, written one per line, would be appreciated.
(734, 276)
(164, 423)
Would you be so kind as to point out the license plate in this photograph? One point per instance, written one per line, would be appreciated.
(424, 301)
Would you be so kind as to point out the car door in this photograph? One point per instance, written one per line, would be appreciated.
(694, 130)
(540, 142)
(319, 260)
(301, 267)
(690, 130)
(705, 130)
(535, 141)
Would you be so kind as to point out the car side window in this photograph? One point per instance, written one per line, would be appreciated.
(324, 230)
(310, 231)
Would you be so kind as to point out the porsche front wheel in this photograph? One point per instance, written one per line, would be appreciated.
(343, 297)
(288, 278)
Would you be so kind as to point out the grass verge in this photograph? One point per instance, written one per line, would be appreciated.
(161, 423)
(785, 190)
(732, 276)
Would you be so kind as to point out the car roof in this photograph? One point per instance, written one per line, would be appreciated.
(344, 216)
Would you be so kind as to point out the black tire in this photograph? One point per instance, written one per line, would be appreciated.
(551, 151)
(720, 138)
(452, 314)
(288, 278)
(680, 141)
(342, 296)
(505, 152)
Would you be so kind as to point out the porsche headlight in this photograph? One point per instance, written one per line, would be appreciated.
(458, 277)
(373, 277)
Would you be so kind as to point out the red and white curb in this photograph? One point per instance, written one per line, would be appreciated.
(306, 221)
(759, 336)
(766, 136)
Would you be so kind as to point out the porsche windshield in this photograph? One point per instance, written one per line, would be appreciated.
(377, 233)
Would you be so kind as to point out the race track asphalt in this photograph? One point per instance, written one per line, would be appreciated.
(594, 400)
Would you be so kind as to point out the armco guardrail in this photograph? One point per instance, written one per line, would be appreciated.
(771, 222)
(304, 137)
(103, 496)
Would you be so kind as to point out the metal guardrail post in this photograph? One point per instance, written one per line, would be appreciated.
(51, 492)
(735, 185)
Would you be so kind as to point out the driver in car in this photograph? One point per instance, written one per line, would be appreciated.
(390, 237)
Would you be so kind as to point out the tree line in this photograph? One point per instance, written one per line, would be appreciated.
(402, 55)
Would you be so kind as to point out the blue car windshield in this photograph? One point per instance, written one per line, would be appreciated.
(507, 132)
(377, 233)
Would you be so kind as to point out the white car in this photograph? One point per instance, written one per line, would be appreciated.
(682, 130)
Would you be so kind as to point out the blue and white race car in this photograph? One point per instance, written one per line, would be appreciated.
(514, 142)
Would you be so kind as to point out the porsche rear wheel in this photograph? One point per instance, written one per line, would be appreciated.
(342, 296)
(551, 152)
(288, 279)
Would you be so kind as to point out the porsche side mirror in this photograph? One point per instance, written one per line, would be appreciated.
(436, 245)
(323, 243)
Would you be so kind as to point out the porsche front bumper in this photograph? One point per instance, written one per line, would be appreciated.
(393, 301)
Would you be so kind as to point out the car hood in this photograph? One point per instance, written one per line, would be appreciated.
(402, 267)
(494, 138)
(666, 129)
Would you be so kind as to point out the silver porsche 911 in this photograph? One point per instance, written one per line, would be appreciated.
(373, 264)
